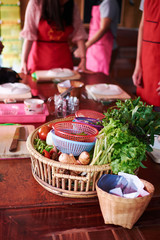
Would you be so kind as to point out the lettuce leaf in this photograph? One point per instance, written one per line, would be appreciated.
(118, 147)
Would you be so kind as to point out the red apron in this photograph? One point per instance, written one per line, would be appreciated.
(151, 53)
(99, 54)
(51, 50)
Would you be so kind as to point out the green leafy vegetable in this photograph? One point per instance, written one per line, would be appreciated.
(118, 147)
(140, 118)
(129, 130)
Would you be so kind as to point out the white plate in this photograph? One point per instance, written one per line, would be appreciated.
(14, 88)
(106, 89)
(54, 73)
(60, 72)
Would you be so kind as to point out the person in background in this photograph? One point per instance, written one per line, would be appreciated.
(102, 35)
(1, 47)
(49, 26)
(146, 75)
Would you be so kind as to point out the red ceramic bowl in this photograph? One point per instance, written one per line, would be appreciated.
(89, 114)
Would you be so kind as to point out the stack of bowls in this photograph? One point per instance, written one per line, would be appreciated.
(73, 137)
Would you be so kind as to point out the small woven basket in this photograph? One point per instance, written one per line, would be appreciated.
(123, 211)
(68, 180)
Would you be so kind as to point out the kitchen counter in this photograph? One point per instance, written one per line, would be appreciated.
(28, 211)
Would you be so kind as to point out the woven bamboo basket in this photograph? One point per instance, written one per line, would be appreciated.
(60, 178)
(123, 211)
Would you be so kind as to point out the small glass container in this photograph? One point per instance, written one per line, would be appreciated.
(63, 106)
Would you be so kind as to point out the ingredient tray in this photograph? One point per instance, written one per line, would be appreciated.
(14, 113)
(103, 97)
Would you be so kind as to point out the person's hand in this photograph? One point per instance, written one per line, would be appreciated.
(82, 66)
(137, 76)
(77, 53)
(24, 68)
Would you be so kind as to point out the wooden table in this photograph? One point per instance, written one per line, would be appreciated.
(28, 211)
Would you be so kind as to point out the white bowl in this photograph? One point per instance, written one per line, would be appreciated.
(33, 106)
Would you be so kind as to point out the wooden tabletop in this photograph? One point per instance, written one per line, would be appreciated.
(28, 211)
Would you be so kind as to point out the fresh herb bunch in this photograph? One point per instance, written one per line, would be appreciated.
(140, 119)
(115, 145)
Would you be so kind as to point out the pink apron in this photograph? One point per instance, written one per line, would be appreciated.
(99, 54)
(51, 50)
(151, 53)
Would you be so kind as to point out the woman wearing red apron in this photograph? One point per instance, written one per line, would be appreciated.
(48, 51)
(48, 27)
(147, 70)
(102, 35)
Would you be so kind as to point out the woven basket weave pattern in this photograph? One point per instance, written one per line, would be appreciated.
(62, 179)
(123, 211)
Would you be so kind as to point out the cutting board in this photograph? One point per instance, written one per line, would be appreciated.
(6, 136)
(16, 97)
(41, 76)
(98, 97)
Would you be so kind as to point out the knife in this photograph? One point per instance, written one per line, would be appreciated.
(19, 135)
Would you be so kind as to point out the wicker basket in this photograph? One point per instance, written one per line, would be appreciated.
(62, 179)
(123, 211)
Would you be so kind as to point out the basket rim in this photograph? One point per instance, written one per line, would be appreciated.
(128, 200)
(41, 158)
